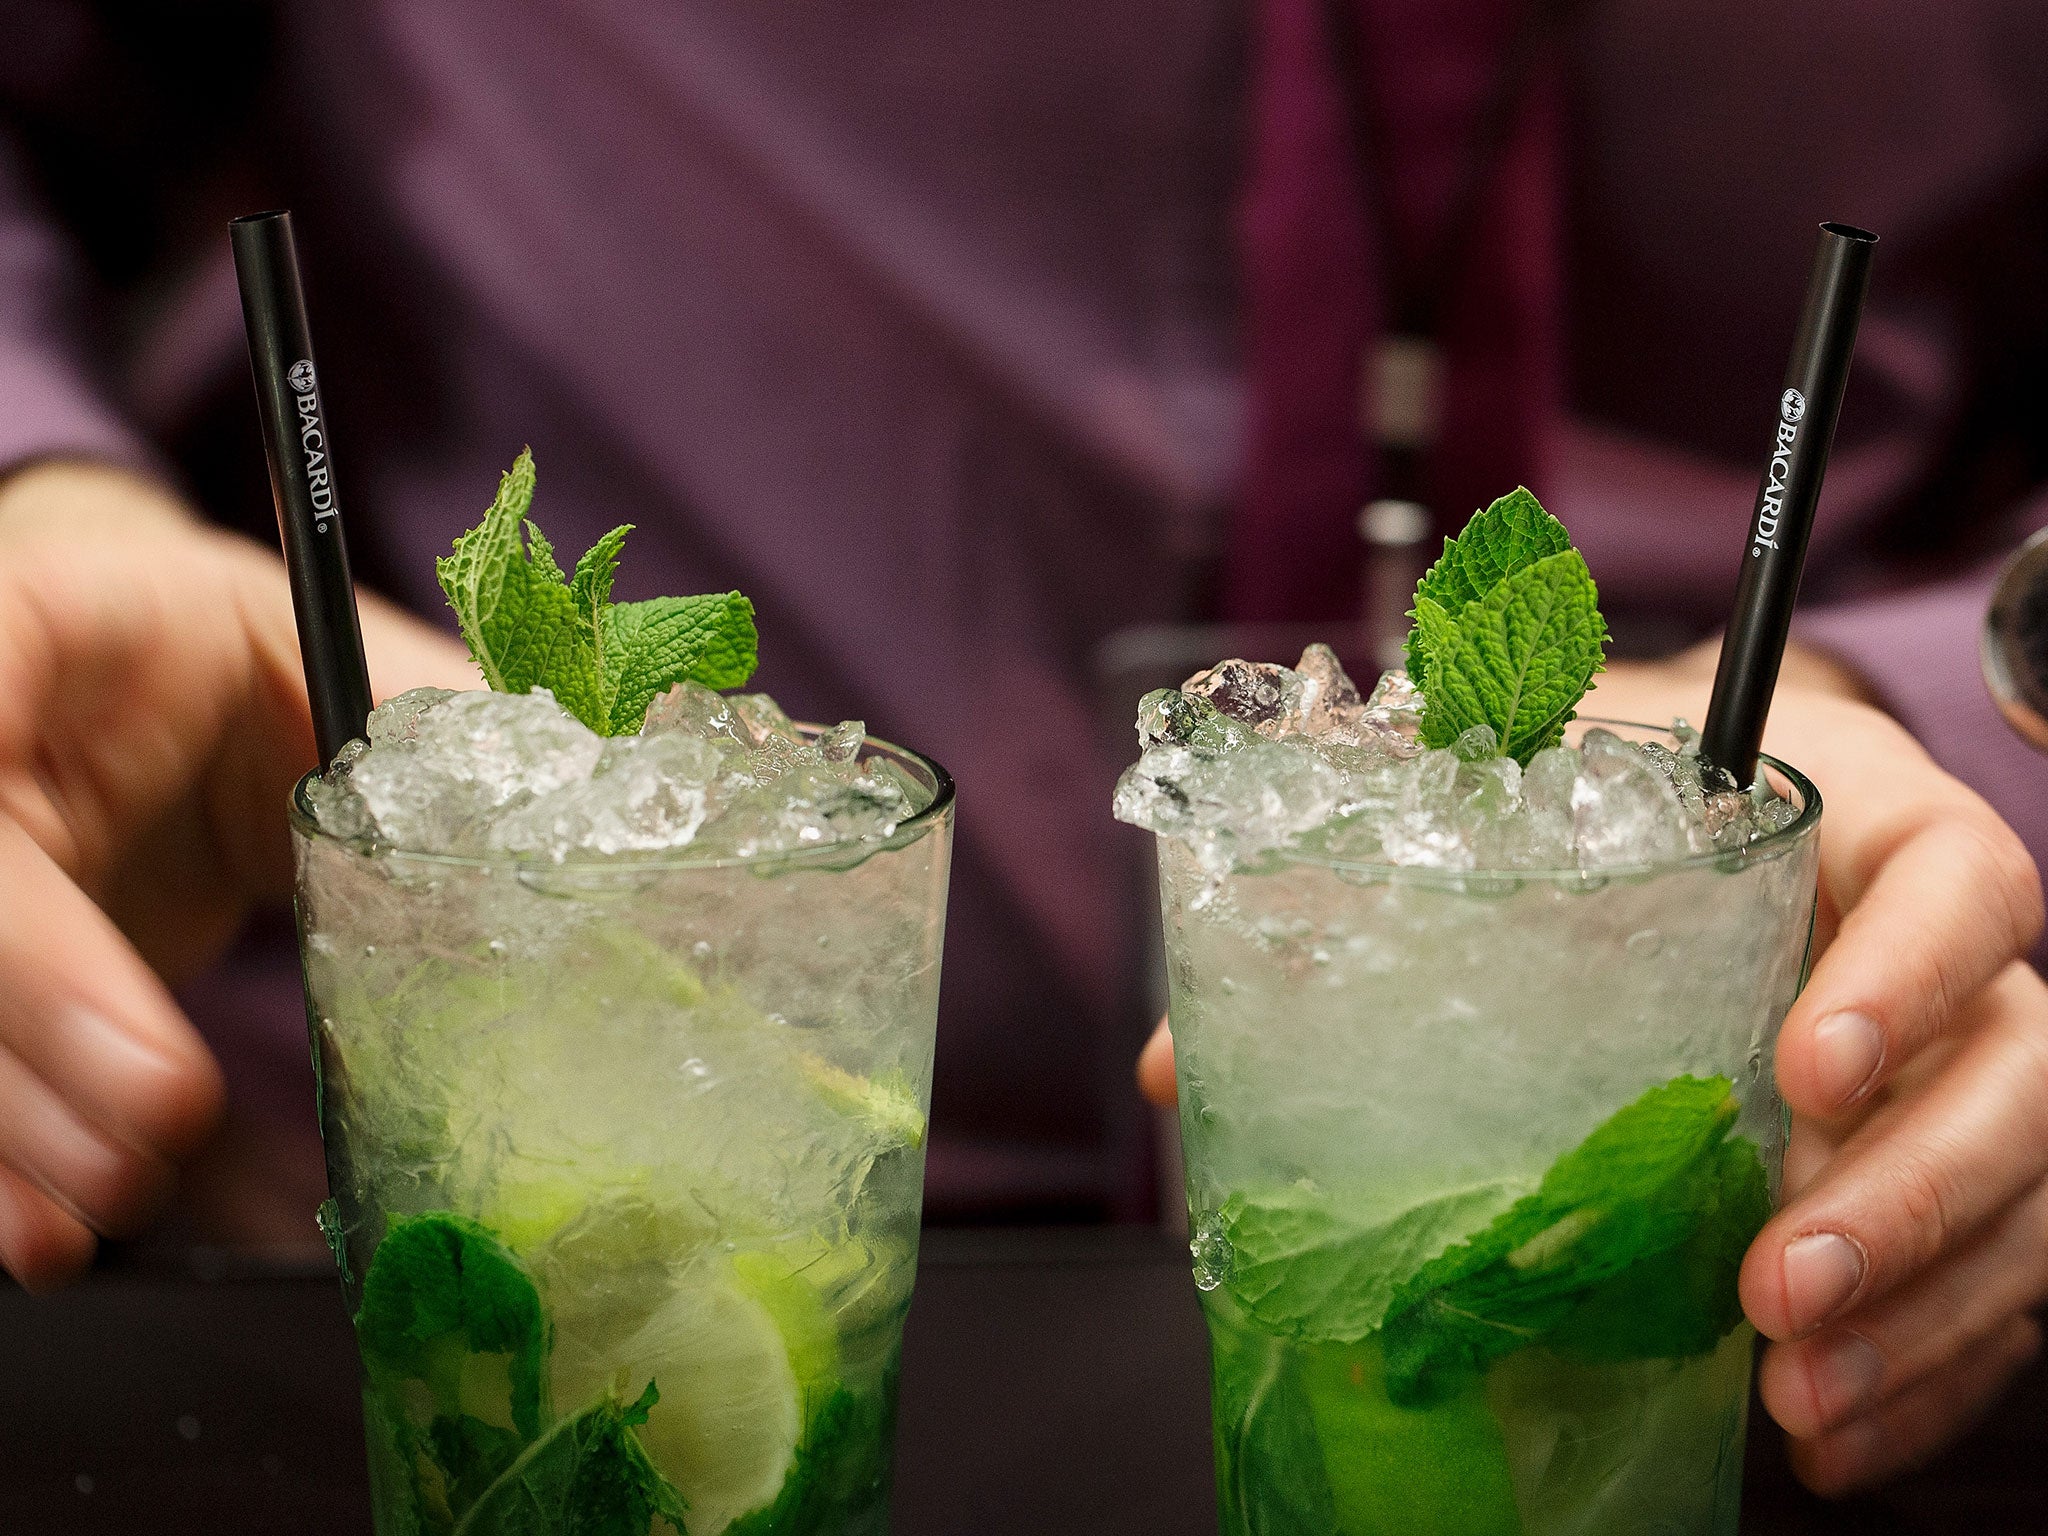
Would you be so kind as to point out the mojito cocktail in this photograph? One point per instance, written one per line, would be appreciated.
(1474, 1058)
(625, 1142)
(622, 994)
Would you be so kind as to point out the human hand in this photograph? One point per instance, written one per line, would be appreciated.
(153, 718)
(1897, 1281)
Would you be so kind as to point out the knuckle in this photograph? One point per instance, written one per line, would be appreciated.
(2013, 881)
(1927, 1204)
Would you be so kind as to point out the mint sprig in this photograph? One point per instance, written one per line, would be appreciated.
(1507, 631)
(528, 625)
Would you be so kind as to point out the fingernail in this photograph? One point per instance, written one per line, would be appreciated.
(114, 1045)
(1845, 1376)
(1848, 1048)
(1822, 1271)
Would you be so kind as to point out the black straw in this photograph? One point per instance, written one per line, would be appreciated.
(1776, 553)
(299, 447)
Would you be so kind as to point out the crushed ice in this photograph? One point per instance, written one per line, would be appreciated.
(722, 775)
(1250, 757)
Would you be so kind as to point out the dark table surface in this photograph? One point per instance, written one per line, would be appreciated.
(1054, 1381)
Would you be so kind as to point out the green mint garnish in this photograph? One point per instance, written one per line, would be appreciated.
(1508, 632)
(1627, 1250)
(1683, 1301)
(441, 1287)
(840, 1464)
(1300, 1271)
(530, 626)
(1269, 1459)
(472, 1455)
(587, 1476)
(1656, 1191)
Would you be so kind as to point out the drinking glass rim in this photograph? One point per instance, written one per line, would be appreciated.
(656, 861)
(1771, 845)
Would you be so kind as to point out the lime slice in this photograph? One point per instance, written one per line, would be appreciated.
(726, 1428)
(526, 1209)
(887, 1105)
(780, 1283)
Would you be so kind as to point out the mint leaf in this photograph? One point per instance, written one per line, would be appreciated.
(1515, 531)
(529, 626)
(396, 1461)
(841, 1469)
(587, 1476)
(650, 647)
(1507, 630)
(474, 576)
(471, 1455)
(1302, 1272)
(442, 1288)
(1683, 1301)
(1269, 1461)
(591, 586)
(1519, 659)
(514, 606)
(1646, 1182)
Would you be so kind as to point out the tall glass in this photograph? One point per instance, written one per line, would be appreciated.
(626, 1156)
(1471, 1160)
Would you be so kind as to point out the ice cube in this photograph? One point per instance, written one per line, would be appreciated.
(1327, 701)
(398, 719)
(1395, 705)
(336, 806)
(1166, 715)
(1226, 790)
(1488, 787)
(1547, 782)
(764, 718)
(1427, 830)
(1260, 694)
(807, 804)
(1623, 810)
(1773, 813)
(695, 710)
(648, 793)
(842, 743)
(471, 755)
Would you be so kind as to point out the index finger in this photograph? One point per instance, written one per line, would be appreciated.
(1937, 895)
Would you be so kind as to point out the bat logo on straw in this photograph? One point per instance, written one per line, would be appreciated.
(302, 375)
(1792, 407)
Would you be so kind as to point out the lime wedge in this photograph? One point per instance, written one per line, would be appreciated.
(726, 1428)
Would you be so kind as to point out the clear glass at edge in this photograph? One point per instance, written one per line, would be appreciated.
(1354, 1042)
(686, 1099)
